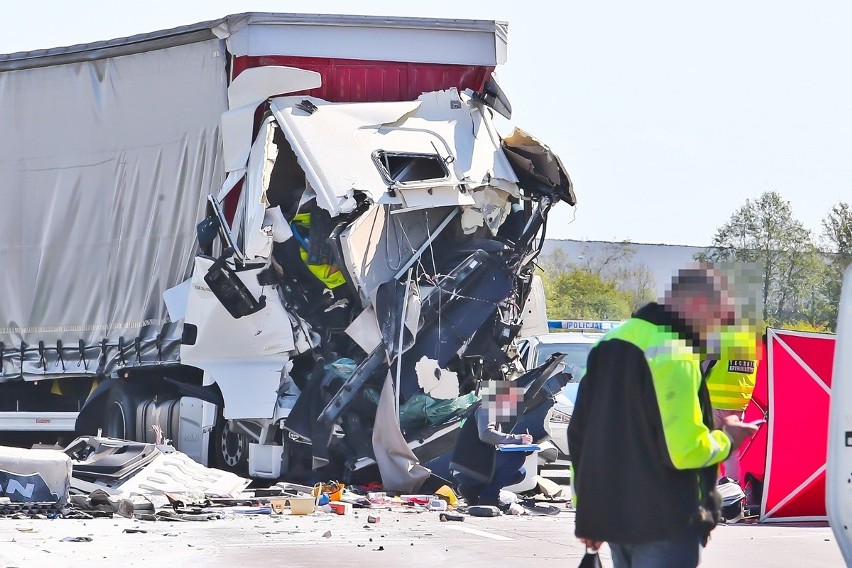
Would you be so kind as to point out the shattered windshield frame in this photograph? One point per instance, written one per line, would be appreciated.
(407, 168)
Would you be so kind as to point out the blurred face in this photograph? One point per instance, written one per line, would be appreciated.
(502, 399)
(708, 315)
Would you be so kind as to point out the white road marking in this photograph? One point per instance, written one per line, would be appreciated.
(478, 532)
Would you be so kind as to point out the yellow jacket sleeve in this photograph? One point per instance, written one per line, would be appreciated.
(690, 443)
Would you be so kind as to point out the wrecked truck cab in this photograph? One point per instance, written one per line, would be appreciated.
(366, 242)
(268, 258)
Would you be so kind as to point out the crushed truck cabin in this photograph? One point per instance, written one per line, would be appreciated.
(290, 257)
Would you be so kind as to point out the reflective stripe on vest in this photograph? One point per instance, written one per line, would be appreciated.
(731, 383)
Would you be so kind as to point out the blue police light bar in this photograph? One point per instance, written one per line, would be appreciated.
(582, 325)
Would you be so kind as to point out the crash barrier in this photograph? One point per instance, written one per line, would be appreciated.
(784, 464)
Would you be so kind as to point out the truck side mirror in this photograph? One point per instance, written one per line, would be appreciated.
(230, 290)
(207, 230)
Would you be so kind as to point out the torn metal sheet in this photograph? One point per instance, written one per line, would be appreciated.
(364, 330)
(538, 168)
(258, 242)
(491, 206)
(455, 311)
(127, 469)
(399, 467)
(243, 356)
(257, 84)
(441, 137)
(335, 167)
(382, 243)
(435, 381)
(245, 93)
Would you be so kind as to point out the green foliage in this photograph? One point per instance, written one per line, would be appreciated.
(802, 325)
(837, 239)
(800, 284)
(605, 285)
(580, 294)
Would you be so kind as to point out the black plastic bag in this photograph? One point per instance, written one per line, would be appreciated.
(591, 560)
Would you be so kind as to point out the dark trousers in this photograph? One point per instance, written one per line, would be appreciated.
(508, 470)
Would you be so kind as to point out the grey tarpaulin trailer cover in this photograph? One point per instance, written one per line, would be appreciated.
(234, 233)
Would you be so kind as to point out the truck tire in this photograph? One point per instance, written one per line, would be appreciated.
(119, 417)
(229, 449)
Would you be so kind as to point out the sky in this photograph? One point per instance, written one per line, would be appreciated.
(667, 114)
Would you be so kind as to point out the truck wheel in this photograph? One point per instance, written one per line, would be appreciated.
(115, 423)
(230, 449)
(120, 415)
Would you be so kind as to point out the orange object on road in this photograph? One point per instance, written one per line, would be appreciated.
(333, 489)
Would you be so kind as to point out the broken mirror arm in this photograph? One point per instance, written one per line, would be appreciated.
(493, 96)
(230, 290)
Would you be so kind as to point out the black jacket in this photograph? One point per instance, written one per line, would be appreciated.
(472, 456)
(628, 490)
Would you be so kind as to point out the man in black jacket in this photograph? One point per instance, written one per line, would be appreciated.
(642, 441)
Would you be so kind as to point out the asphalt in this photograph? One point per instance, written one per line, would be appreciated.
(400, 538)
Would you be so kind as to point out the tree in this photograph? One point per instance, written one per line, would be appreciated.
(603, 281)
(837, 239)
(837, 231)
(764, 232)
(638, 283)
(606, 260)
(580, 294)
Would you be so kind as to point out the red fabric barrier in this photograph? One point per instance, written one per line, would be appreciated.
(799, 380)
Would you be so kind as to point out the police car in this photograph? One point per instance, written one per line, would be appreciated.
(575, 343)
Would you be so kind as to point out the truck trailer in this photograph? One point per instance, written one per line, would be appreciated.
(291, 244)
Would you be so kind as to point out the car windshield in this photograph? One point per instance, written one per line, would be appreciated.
(575, 355)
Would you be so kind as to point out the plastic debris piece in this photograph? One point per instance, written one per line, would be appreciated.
(483, 511)
(448, 495)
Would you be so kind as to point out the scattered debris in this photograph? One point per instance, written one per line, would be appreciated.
(124, 469)
(483, 511)
(76, 539)
(340, 508)
(19, 484)
(548, 487)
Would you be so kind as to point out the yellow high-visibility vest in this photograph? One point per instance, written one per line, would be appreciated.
(732, 378)
(329, 274)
